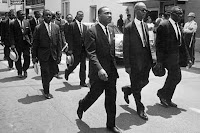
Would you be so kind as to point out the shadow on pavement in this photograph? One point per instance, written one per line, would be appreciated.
(10, 79)
(125, 120)
(68, 87)
(31, 99)
(192, 69)
(37, 78)
(159, 110)
(4, 70)
(84, 128)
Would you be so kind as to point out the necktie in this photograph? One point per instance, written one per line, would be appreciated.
(106, 32)
(81, 31)
(49, 30)
(144, 35)
(178, 34)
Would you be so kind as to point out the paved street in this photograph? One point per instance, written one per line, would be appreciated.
(23, 109)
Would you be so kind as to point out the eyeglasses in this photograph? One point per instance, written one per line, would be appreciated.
(178, 14)
(143, 10)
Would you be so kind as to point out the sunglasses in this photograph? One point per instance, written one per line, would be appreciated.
(143, 10)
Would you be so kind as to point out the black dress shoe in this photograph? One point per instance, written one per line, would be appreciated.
(163, 101)
(57, 76)
(171, 104)
(114, 129)
(142, 115)
(47, 96)
(66, 75)
(79, 110)
(124, 89)
(83, 85)
(25, 74)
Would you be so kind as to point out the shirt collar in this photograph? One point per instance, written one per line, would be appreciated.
(47, 23)
(172, 21)
(77, 21)
(102, 26)
(137, 21)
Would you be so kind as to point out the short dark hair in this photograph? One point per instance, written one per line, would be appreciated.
(35, 12)
(46, 10)
(18, 12)
(79, 12)
(101, 9)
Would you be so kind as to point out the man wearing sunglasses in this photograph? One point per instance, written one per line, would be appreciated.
(169, 48)
(137, 57)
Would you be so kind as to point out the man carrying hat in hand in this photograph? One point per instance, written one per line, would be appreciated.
(189, 31)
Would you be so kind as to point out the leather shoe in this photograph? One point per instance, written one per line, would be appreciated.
(163, 101)
(47, 96)
(171, 104)
(114, 129)
(20, 76)
(79, 110)
(142, 115)
(25, 74)
(66, 75)
(57, 76)
(124, 89)
(83, 84)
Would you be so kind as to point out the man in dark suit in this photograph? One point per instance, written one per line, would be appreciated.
(69, 18)
(5, 37)
(35, 20)
(47, 49)
(99, 43)
(137, 56)
(77, 48)
(21, 38)
(168, 44)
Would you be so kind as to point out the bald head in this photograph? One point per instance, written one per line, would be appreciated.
(140, 10)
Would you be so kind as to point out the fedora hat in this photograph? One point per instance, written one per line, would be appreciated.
(14, 55)
(191, 14)
(70, 59)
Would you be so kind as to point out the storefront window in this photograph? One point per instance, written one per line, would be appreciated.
(34, 2)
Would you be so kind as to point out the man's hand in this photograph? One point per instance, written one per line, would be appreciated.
(128, 70)
(34, 60)
(103, 75)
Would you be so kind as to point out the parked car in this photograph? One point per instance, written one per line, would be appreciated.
(118, 42)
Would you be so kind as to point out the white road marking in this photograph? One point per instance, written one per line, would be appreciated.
(195, 110)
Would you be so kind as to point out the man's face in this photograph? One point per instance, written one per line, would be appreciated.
(69, 18)
(190, 18)
(58, 14)
(21, 15)
(37, 15)
(79, 16)
(12, 15)
(141, 12)
(105, 17)
(177, 15)
(47, 16)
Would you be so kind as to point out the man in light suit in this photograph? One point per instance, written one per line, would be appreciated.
(76, 47)
(169, 48)
(47, 47)
(100, 46)
(137, 57)
(21, 38)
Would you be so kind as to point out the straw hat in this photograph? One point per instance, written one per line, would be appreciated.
(191, 14)
(70, 59)
(14, 55)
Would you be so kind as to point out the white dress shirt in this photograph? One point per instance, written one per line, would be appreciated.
(48, 27)
(139, 28)
(174, 26)
(104, 30)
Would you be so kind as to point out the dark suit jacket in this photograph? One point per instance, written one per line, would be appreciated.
(75, 39)
(66, 32)
(33, 23)
(5, 36)
(168, 45)
(133, 50)
(17, 35)
(44, 46)
(101, 53)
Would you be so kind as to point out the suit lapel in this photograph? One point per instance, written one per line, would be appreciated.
(45, 29)
(135, 29)
(102, 34)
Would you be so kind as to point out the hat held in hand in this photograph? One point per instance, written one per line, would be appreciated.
(70, 59)
(14, 55)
